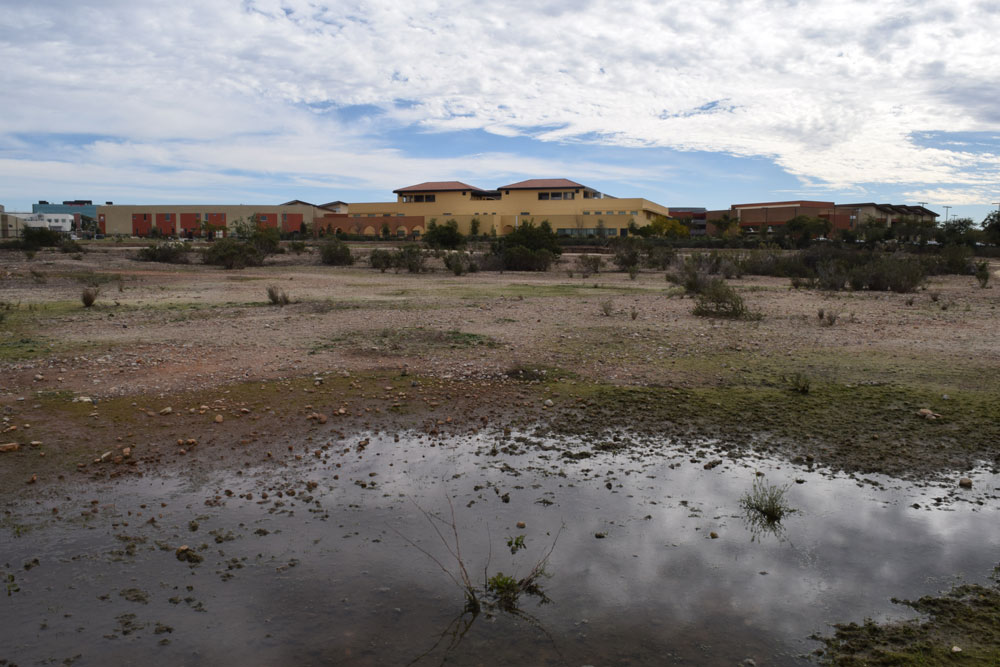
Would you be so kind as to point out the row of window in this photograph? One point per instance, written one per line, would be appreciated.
(546, 196)
(419, 199)
(611, 213)
(598, 232)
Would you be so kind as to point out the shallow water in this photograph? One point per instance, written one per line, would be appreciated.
(334, 575)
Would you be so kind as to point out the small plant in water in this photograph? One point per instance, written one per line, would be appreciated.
(515, 544)
(765, 502)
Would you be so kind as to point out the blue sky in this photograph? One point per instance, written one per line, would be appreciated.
(687, 104)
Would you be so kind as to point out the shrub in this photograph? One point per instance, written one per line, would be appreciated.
(70, 246)
(690, 276)
(633, 272)
(277, 296)
(444, 236)
(633, 312)
(168, 252)
(411, 258)
(983, 273)
(607, 308)
(627, 252)
(718, 299)
(799, 383)
(956, 259)
(232, 254)
(335, 252)
(460, 263)
(520, 258)
(381, 259)
(89, 296)
(589, 264)
(659, 257)
(33, 238)
(298, 247)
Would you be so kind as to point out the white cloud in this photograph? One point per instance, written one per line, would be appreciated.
(832, 91)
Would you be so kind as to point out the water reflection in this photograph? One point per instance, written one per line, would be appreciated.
(324, 575)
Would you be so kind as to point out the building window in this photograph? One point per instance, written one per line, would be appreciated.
(166, 216)
(621, 212)
(586, 212)
(543, 196)
(525, 212)
(371, 215)
(633, 212)
(284, 217)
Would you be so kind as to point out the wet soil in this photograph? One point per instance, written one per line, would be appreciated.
(159, 419)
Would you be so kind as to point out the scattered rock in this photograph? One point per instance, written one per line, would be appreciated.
(714, 535)
(712, 464)
(521, 525)
(10, 447)
(218, 419)
(965, 483)
(600, 536)
(927, 413)
(549, 403)
(166, 411)
(186, 553)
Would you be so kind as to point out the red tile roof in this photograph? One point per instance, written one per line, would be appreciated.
(438, 186)
(543, 184)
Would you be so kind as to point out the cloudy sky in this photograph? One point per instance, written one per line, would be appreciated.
(686, 103)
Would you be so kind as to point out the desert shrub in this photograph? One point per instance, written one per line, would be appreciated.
(460, 263)
(335, 252)
(265, 240)
(528, 248)
(956, 259)
(168, 252)
(607, 308)
(69, 246)
(277, 296)
(232, 254)
(298, 247)
(983, 273)
(831, 275)
(628, 252)
(381, 259)
(411, 258)
(690, 275)
(589, 264)
(659, 257)
(718, 299)
(896, 274)
(444, 236)
(519, 258)
(33, 238)
(633, 312)
(799, 383)
(89, 295)
(633, 272)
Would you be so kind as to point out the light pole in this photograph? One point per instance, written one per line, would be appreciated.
(923, 205)
(946, 209)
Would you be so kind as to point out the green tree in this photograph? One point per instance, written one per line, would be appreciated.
(991, 227)
(265, 240)
(474, 227)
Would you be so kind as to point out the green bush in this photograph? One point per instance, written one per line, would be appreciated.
(659, 257)
(519, 258)
(460, 263)
(589, 264)
(444, 236)
(627, 251)
(381, 259)
(33, 238)
(298, 247)
(411, 258)
(335, 253)
(68, 246)
(983, 273)
(718, 299)
(168, 252)
(232, 254)
(690, 275)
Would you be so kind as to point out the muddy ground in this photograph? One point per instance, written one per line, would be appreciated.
(190, 370)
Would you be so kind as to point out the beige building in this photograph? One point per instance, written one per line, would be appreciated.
(572, 209)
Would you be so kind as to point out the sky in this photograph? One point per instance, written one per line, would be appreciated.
(707, 103)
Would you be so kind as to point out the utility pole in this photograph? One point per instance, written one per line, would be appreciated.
(946, 209)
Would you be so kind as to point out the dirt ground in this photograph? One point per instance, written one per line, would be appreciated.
(488, 348)
(191, 368)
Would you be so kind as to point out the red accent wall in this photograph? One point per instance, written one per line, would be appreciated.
(165, 226)
(142, 223)
(268, 219)
(291, 222)
(190, 221)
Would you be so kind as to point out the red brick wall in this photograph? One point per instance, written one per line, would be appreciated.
(291, 222)
(190, 222)
(166, 227)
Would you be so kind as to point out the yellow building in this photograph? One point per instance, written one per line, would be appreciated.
(571, 209)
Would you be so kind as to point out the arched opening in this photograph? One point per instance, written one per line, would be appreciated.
(369, 231)
(401, 232)
(507, 229)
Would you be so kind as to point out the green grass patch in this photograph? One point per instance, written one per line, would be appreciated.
(403, 342)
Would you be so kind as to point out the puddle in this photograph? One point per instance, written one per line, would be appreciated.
(345, 573)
